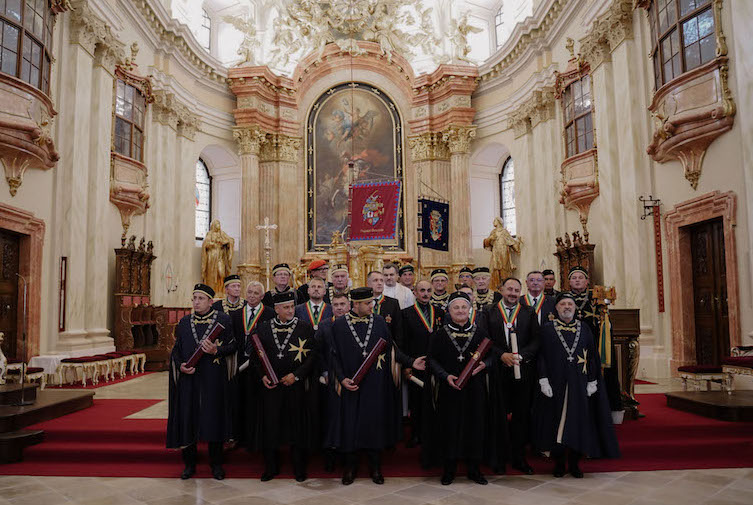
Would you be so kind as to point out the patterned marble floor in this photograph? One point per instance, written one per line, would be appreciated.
(684, 487)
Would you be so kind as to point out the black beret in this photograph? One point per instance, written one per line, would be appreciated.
(232, 278)
(548, 271)
(203, 288)
(466, 270)
(458, 294)
(564, 294)
(439, 272)
(406, 268)
(286, 296)
(361, 294)
(481, 271)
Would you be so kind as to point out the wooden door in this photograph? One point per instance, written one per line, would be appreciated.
(709, 292)
(9, 291)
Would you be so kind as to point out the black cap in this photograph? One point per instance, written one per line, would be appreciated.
(548, 271)
(458, 294)
(439, 272)
(361, 294)
(481, 271)
(577, 268)
(280, 267)
(232, 278)
(203, 288)
(406, 268)
(466, 270)
(564, 294)
(286, 296)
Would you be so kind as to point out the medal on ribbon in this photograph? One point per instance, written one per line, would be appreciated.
(509, 322)
(429, 325)
(539, 304)
(318, 319)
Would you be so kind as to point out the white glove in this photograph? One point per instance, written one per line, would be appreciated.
(591, 388)
(546, 389)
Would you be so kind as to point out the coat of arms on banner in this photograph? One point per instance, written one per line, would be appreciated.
(436, 224)
(373, 209)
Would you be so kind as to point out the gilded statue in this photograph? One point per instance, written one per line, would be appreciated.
(216, 256)
(502, 245)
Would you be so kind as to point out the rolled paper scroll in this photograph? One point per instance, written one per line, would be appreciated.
(514, 346)
(199, 352)
(268, 370)
(477, 356)
(369, 361)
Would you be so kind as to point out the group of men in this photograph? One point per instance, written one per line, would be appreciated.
(323, 369)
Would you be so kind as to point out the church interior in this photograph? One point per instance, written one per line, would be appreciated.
(150, 145)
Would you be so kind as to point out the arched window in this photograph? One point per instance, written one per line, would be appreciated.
(205, 30)
(507, 196)
(498, 27)
(203, 199)
(683, 37)
(26, 40)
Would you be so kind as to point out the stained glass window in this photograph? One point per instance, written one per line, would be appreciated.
(202, 199)
(507, 196)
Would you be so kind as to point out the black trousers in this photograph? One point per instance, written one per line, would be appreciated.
(374, 458)
(298, 455)
(559, 452)
(190, 454)
(519, 401)
(451, 466)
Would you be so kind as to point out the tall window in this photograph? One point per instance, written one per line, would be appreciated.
(498, 23)
(130, 107)
(26, 40)
(579, 130)
(683, 37)
(203, 194)
(205, 31)
(507, 196)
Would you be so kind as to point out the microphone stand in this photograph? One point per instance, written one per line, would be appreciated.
(23, 402)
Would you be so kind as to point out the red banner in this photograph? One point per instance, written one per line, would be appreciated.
(373, 210)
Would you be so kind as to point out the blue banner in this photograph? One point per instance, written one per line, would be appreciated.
(434, 220)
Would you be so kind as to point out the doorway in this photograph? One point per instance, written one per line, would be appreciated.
(9, 264)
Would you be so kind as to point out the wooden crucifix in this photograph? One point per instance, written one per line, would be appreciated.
(267, 245)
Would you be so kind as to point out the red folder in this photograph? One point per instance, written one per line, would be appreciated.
(477, 356)
(199, 352)
(268, 370)
(369, 361)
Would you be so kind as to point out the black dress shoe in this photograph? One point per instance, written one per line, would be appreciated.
(523, 467)
(300, 477)
(348, 477)
(478, 478)
(267, 475)
(188, 472)
(218, 473)
(559, 470)
(447, 478)
(499, 470)
(377, 477)
(576, 472)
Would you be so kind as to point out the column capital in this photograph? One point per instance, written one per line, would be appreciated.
(280, 147)
(459, 138)
(86, 28)
(608, 32)
(250, 139)
(427, 147)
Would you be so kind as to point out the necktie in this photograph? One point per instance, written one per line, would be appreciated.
(251, 314)
(535, 299)
(316, 311)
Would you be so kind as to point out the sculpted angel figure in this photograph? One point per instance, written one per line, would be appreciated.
(502, 245)
(250, 41)
(216, 256)
(459, 31)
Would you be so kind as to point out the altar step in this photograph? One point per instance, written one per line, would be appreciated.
(736, 406)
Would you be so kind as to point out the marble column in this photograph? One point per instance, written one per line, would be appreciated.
(250, 139)
(71, 177)
(458, 139)
(290, 215)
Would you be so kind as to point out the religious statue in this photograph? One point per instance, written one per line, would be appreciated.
(250, 41)
(459, 31)
(502, 245)
(216, 256)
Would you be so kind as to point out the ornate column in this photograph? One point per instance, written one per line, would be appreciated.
(458, 140)
(250, 140)
(280, 155)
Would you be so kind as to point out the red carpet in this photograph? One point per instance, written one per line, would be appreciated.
(99, 442)
(100, 384)
(641, 381)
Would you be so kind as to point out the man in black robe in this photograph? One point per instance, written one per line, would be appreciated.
(385, 306)
(458, 424)
(330, 399)
(572, 411)
(318, 269)
(407, 276)
(199, 397)
(232, 300)
(419, 323)
(281, 277)
(549, 282)
(439, 295)
(465, 277)
(476, 317)
(246, 408)
(587, 312)
(485, 297)
(535, 297)
(288, 409)
(510, 320)
(315, 309)
(369, 414)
